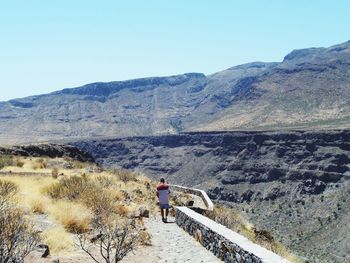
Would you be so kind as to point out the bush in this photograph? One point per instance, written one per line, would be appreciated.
(17, 237)
(101, 204)
(68, 187)
(40, 163)
(19, 163)
(54, 173)
(113, 242)
(7, 191)
(38, 207)
(124, 176)
(6, 160)
(104, 181)
(75, 218)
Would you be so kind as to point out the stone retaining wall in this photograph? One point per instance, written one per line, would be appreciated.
(202, 194)
(221, 241)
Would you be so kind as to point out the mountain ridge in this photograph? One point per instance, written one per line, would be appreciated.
(309, 89)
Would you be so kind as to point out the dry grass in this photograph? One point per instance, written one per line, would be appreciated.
(124, 176)
(58, 240)
(145, 238)
(76, 201)
(38, 207)
(74, 217)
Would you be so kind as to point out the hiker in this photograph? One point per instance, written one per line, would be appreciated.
(163, 196)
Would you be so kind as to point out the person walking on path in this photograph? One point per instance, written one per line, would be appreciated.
(163, 196)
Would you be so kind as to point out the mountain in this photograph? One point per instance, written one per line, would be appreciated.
(308, 89)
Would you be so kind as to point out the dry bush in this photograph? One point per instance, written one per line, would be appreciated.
(145, 238)
(124, 176)
(7, 191)
(40, 163)
(75, 218)
(17, 236)
(36, 166)
(38, 207)
(54, 173)
(122, 210)
(231, 219)
(58, 240)
(6, 160)
(19, 163)
(101, 203)
(179, 199)
(105, 181)
(78, 165)
(113, 242)
(68, 187)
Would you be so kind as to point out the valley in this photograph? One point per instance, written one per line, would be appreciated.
(294, 184)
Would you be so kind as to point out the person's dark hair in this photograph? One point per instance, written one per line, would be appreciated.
(162, 180)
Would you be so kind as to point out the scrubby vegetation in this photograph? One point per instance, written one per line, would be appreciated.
(80, 200)
(17, 236)
(6, 161)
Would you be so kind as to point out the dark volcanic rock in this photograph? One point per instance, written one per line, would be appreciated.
(48, 150)
(235, 160)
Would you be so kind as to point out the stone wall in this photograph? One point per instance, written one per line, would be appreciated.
(202, 194)
(221, 241)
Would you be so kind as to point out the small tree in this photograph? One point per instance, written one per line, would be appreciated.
(112, 242)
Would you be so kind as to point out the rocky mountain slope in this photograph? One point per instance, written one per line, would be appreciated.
(295, 184)
(309, 88)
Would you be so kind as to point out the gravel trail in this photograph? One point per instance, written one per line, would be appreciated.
(170, 243)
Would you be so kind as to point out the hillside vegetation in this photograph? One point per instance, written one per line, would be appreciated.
(64, 201)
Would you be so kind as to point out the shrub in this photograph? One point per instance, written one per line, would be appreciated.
(68, 187)
(58, 240)
(7, 191)
(40, 163)
(124, 176)
(17, 236)
(145, 238)
(104, 181)
(101, 204)
(113, 242)
(38, 207)
(19, 163)
(54, 173)
(75, 218)
(121, 210)
(6, 160)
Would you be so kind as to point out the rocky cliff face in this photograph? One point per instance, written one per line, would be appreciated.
(230, 158)
(295, 184)
(48, 150)
(309, 88)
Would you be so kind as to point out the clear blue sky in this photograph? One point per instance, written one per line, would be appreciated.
(49, 45)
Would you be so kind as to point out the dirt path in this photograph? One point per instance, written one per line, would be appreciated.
(170, 244)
